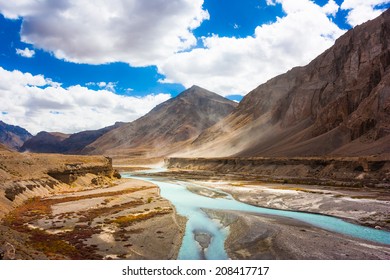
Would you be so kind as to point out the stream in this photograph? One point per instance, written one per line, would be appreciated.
(190, 204)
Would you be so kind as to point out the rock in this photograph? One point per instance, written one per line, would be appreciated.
(203, 239)
(116, 174)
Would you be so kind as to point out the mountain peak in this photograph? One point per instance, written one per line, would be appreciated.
(170, 125)
(197, 92)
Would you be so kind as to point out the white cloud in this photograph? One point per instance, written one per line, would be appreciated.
(110, 86)
(362, 10)
(271, 2)
(138, 32)
(237, 65)
(331, 8)
(159, 32)
(26, 52)
(102, 84)
(37, 103)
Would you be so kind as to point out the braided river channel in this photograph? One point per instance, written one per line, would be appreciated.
(190, 205)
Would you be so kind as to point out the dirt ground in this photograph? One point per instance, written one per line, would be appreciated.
(128, 220)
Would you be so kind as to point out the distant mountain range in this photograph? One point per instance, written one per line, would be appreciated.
(167, 128)
(55, 142)
(12, 136)
(337, 105)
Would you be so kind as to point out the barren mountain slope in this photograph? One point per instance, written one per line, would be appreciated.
(339, 104)
(169, 126)
(13, 136)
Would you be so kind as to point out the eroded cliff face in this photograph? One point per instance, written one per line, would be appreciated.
(339, 104)
(23, 176)
(351, 171)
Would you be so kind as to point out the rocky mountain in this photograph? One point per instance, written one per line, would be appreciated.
(12, 136)
(55, 142)
(166, 128)
(45, 142)
(339, 104)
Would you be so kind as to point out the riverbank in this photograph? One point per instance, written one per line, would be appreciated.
(262, 233)
(367, 206)
(368, 171)
(256, 237)
(127, 220)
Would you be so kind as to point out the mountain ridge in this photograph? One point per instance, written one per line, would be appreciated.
(13, 136)
(338, 104)
(56, 142)
(166, 127)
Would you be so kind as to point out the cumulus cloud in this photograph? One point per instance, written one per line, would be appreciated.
(26, 52)
(37, 103)
(331, 8)
(138, 32)
(229, 65)
(159, 32)
(362, 10)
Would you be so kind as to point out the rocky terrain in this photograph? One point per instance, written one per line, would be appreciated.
(336, 105)
(76, 207)
(167, 128)
(349, 171)
(13, 136)
(260, 237)
(23, 176)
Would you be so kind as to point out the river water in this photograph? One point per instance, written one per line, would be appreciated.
(190, 205)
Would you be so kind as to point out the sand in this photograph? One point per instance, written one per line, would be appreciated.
(254, 236)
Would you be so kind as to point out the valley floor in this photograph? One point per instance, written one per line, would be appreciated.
(130, 220)
(126, 221)
(360, 205)
(255, 236)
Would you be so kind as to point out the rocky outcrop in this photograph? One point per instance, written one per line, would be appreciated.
(339, 104)
(70, 172)
(24, 176)
(12, 136)
(358, 172)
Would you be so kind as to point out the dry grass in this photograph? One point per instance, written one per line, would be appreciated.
(125, 221)
(69, 244)
(298, 189)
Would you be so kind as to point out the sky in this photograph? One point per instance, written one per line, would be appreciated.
(73, 65)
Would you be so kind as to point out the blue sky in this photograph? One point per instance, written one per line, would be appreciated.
(70, 65)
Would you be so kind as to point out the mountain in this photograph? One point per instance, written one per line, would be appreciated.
(168, 127)
(45, 142)
(339, 104)
(55, 142)
(13, 136)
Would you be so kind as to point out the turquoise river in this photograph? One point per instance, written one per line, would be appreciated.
(190, 204)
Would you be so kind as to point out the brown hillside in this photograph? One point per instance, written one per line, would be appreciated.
(168, 127)
(339, 104)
